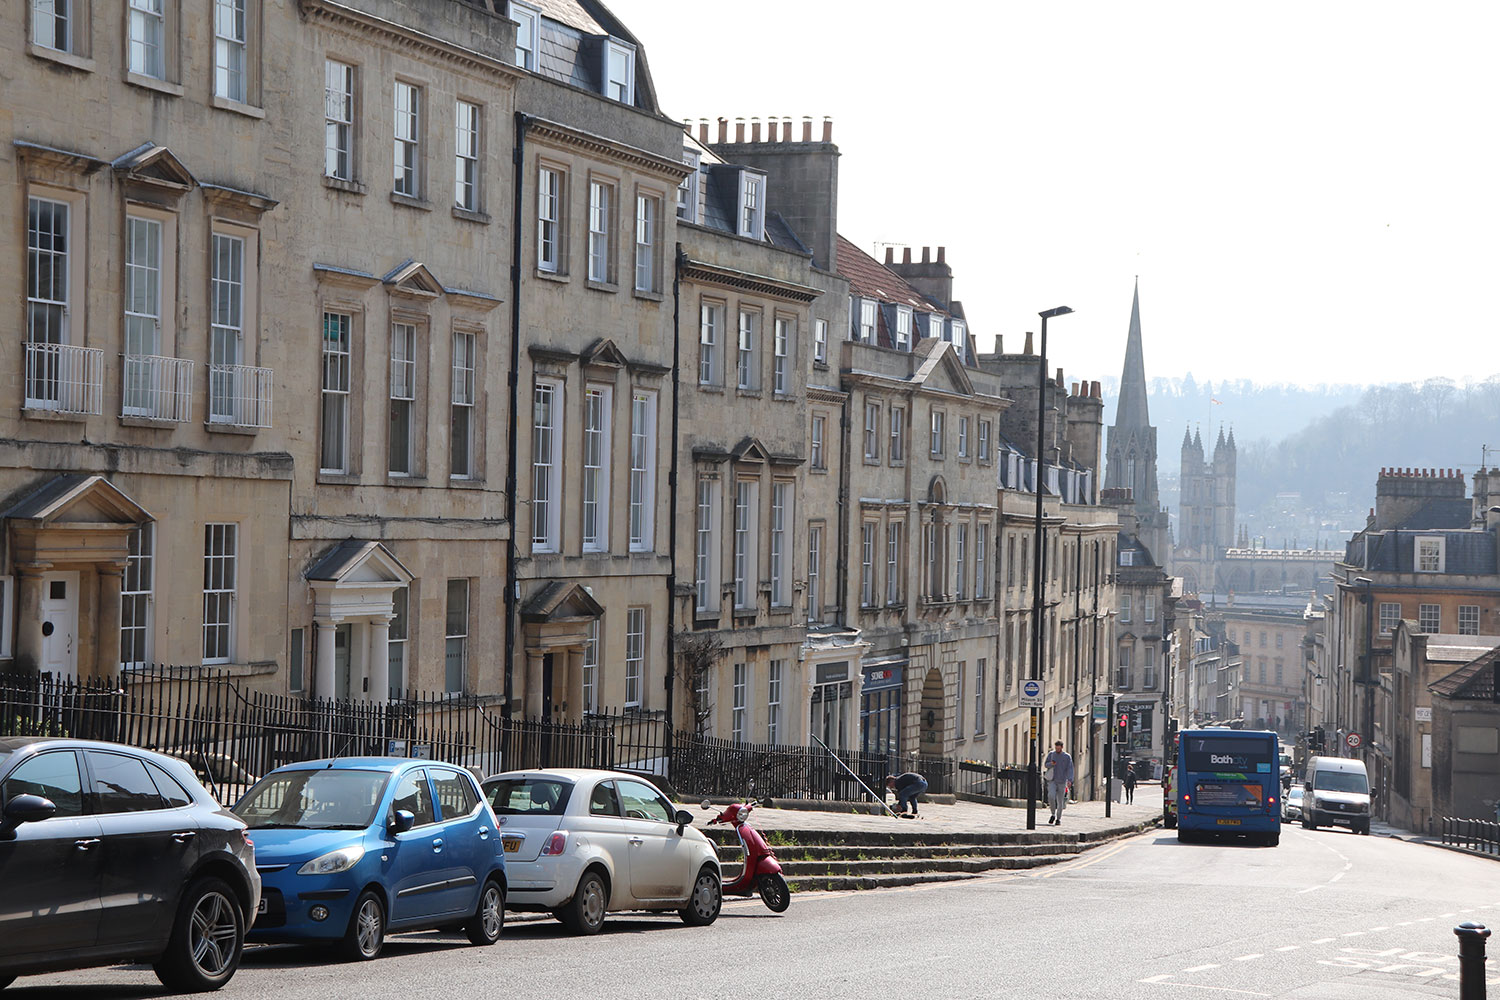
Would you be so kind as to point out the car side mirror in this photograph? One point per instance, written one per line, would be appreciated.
(683, 818)
(25, 809)
(404, 820)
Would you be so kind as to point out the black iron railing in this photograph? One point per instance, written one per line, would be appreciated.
(1479, 835)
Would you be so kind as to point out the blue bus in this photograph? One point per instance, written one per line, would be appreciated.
(1228, 783)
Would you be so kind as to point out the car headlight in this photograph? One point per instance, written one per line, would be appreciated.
(333, 862)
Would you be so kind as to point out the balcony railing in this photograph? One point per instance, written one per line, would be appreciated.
(157, 388)
(61, 378)
(239, 395)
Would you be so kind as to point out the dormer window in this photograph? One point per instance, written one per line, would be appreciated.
(961, 340)
(866, 321)
(528, 29)
(903, 328)
(687, 191)
(1429, 555)
(619, 72)
(935, 327)
(752, 206)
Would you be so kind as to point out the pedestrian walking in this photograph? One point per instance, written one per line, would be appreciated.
(1129, 782)
(907, 787)
(1058, 768)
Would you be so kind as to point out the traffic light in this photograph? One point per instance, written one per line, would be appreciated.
(1124, 727)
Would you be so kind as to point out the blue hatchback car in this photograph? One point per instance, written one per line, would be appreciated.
(351, 849)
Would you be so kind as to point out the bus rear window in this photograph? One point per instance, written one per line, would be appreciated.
(1241, 756)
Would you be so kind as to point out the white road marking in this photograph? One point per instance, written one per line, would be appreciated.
(1311, 888)
(1289, 947)
(1445, 916)
(1336, 877)
(1202, 968)
(1405, 923)
(1351, 934)
(1425, 920)
(1322, 940)
(1246, 958)
(1381, 928)
(1216, 989)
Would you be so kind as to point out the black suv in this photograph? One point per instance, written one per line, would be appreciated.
(108, 854)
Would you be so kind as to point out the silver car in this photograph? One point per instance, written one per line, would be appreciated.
(1291, 805)
(580, 843)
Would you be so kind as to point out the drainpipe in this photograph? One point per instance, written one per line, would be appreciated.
(1078, 621)
(679, 261)
(841, 568)
(518, 159)
(1094, 678)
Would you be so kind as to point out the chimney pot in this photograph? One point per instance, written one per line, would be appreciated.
(890, 255)
(771, 128)
(806, 129)
(1028, 343)
(906, 255)
(827, 129)
(723, 129)
(703, 131)
(1098, 392)
(999, 344)
(786, 130)
(1059, 379)
(755, 130)
(942, 254)
(739, 130)
(1074, 390)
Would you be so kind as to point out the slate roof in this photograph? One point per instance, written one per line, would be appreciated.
(1466, 552)
(1474, 681)
(342, 557)
(873, 280)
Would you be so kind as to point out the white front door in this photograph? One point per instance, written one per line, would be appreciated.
(60, 624)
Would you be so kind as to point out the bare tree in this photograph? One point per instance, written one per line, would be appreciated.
(697, 654)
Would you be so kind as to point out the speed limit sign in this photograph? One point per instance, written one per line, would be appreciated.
(1354, 740)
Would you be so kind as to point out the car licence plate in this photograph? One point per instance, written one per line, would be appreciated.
(512, 844)
(1228, 822)
(261, 907)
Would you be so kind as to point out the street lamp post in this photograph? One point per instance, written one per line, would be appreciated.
(1038, 634)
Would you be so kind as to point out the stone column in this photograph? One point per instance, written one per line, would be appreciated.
(531, 697)
(857, 686)
(323, 688)
(809, 675)
(573, 706)
(110, 578)
(28, 644)
(379, 660)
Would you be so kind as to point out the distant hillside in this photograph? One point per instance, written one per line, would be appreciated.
(1269, 412)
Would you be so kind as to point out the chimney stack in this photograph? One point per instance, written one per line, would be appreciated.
(755, 130)
(999, 344)
(1096, 392)
(703, 131)
(890, 255)
(806, 128)
(906, 255)
(771, 126)
(1028, 343)
(1059, 379)
(739, 130)
(723, 130)
(786, 130)
(827, 129)
(926, 254)
(942, 254)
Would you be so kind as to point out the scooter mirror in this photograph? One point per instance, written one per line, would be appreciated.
(707, 804)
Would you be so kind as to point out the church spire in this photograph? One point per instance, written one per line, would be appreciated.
(1130, 411)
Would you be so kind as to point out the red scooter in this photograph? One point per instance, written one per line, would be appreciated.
(762, 872)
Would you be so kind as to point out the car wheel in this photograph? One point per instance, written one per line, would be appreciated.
(366, 934)
(774, 892)
(207, 939)
(489, 919)
(703, 905)
(1363, 828)
(585, 913)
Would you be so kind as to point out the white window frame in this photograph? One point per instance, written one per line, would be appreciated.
(396, 641)
(136, 592)
(46, 304)
(1390, 614)
(903, 328)
(220, 577)
(142, 299)
(1125, 609)
(814, 572)
(622, 90)
(984, 441)
(750, 209)
(962, 668)
(546, 465)
(1468, 619)
(231, 40)
(403, 396)
(549, 220)
(528, 34)
(872, 431)
(781, 521)
(687, 191)
(647, 212)
(463, 404)
(227, 328)
(1428, 554)
(338, 120)
(746, 516)
(635, 658)
(642, 471)
(747, 365)
(601, 194)
(1148, 610)
(706, 548)
(739, 712)
(820, 341)
(981, 561)
(710, 335)
(598, 438)
(407, 139)
(935, 327)
(963, 437)
(1429, 613)
(898, 435)
(935, 437)
(781, 346)
(774, 676)
(961, 560)
(467, 154)
(337, 357)
(979, 670)
(144, 55)
(893, 569)
(869, 324)
(817, 461)
(867, 563)
(60, 12)
(961, 341)
(590, 670)
(456, 634)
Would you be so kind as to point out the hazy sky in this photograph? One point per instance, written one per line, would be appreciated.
(1307, 190)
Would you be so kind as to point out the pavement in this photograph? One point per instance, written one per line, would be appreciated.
(963, 818)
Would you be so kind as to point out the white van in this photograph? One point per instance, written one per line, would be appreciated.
(1336, 793)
